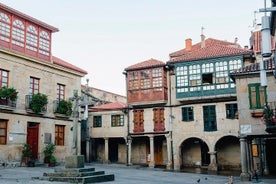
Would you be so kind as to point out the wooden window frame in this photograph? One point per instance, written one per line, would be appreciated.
(60, 89)
(33, 89)
(209, 118)
(231, 110)
(158, 119)
(117, 120)
(97, 121)
(138, 120)
(259, 92)
(187, 114)
(3, 129)
(59, 135)
(2, 84)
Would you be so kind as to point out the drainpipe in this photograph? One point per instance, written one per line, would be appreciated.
(171, 116)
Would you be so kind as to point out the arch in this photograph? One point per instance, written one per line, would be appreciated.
(194, 153)
(228, 153)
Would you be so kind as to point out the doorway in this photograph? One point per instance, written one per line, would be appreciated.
(32, 138)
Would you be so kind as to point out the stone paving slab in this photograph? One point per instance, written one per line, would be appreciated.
(123, 175)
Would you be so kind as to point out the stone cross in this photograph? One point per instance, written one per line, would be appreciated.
(75, 110)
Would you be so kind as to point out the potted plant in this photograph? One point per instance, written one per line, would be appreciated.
(38, 102)
(48, 152)
(26, 154)
(31, 163)
(64, 107)
(7, 93)
(52, 161)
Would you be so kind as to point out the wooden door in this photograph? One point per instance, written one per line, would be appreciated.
(158, 153)
(32, 138)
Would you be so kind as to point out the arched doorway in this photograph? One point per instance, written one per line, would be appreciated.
(228, 153)
(194, 153)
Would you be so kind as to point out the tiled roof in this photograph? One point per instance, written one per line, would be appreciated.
(27, 17)
(65, 64)
(250, 69)
(109, 106)
(151, 63)
(213, 48)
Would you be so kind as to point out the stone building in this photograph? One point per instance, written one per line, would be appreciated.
(206, 125)
(27, 65)
(184, 113)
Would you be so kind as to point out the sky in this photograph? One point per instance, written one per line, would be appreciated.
(104, 37)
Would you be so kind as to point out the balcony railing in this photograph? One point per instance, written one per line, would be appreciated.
(270, 117)
(7, 104)
(28, 101)
(62, 108)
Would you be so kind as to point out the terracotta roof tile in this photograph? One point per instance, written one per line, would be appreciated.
(65, 64)
(146, 64)
(109, 106)
(213, 48)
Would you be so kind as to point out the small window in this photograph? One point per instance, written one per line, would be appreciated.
(187, 114)
(4, 76)
(59, 135)
(97, 121)
(257, 96)
(3, 131)
(60, 92)
(117, 120)
(207, 78)
(231, 110)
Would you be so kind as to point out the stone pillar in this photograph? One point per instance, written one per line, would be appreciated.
(213, 167)
(169, 150)
(151, 164)
(250, 159)
(129, 151)
(244, 176)
(106, 151)
(266, 169)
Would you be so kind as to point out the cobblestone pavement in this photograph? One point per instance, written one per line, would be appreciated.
(123, 175)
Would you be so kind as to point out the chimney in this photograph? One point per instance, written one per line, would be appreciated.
(202, 40)
(188, 43)
(236, 40)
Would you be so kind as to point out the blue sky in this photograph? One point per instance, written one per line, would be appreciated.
(106, 36)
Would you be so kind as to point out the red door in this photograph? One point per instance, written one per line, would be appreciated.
(32, 138)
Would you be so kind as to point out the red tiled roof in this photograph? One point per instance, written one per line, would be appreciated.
(65, 64)
(109, 106)
(213, 48)
(256, 40)
(146, 64)
(268, 65)
(27, 17)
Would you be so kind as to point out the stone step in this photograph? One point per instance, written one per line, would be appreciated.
(74, 170)
(74, 174)
(87, 179)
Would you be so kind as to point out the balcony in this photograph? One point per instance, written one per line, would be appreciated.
(62, 108)
(7, 104)
(36, 104)
(270, 117)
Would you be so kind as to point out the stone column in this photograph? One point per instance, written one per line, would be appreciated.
(244, 176)
(213, 167)
(129, 151)
(266, 169)
(106, 151)
(151, 164)
(169, 150)
(250, 159)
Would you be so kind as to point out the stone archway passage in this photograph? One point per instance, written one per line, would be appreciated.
(194, 153)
